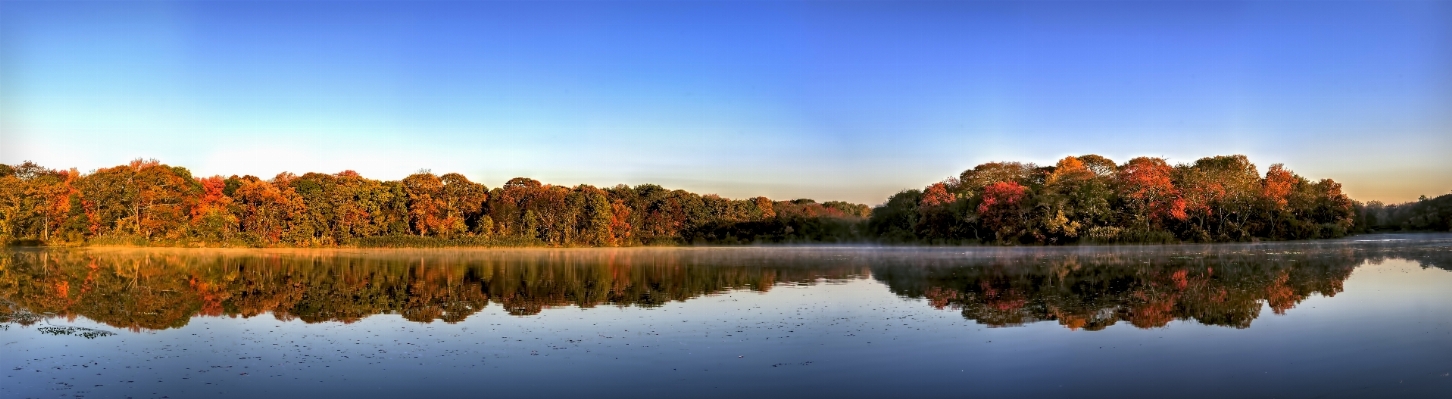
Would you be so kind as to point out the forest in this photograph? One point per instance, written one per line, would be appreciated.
(1083, 199)
(1425, 214)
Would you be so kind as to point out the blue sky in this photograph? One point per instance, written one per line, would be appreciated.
(834, 100)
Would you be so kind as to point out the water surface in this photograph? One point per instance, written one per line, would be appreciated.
(1366, 316)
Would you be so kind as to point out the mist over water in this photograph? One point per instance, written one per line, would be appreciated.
(1358, 317)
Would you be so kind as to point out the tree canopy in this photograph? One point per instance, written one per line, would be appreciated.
(1079, 199)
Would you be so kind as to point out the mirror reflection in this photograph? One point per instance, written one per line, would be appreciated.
(1083, 288)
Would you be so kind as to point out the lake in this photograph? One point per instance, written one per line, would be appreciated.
(1367, 316)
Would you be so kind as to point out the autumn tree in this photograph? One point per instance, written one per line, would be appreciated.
(938, 217)
(212, 217)
(1275, 193)
(1223, 190)
(1145, 184)
(30, 198)
(981, 176)
(1002, 210)
(463, 202)
(427, 204)
(270, 212)
(145, 198)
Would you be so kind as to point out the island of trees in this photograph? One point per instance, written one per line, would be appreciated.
(1083, 199)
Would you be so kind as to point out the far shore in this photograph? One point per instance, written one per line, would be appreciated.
(335, 249)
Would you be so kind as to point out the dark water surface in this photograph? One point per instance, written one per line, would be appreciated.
(1369, 316)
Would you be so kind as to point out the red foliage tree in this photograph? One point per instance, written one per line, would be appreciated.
(1001, 209)
(937, 195)
(1145, 183)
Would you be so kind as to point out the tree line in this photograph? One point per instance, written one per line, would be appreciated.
(146, 202)
(1434, 214)
(1083, 199)
(1090, 198)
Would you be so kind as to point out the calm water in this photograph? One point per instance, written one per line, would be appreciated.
(1362, 317)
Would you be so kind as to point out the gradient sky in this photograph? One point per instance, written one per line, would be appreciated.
(834, 100)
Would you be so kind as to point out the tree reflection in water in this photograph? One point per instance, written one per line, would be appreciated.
(1093, 290)
(143, 290)
(1080, 288)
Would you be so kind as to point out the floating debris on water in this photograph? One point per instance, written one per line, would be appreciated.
(87, 333)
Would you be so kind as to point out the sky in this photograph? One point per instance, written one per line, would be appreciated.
(832, 100)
